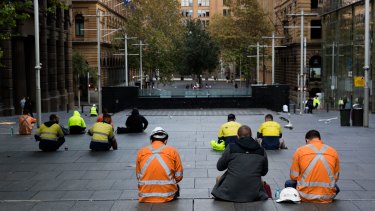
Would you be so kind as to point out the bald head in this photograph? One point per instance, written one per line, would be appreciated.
(244, 131)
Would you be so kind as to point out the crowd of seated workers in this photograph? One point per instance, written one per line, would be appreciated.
(314, 169)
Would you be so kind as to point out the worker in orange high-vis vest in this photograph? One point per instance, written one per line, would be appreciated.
(26, 123)
(315, 170)
(158, 170)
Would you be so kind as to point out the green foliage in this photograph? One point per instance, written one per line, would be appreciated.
(81, 66)
(199, 52)
(10, 13)
(235, 33)
(158, 24)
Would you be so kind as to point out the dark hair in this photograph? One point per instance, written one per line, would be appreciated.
(107, 117)
(25, 111)
(244, 131)
(135, 111)
(53, 117)
(105, 111)
(312, 134)
(231, 117)
(268, 116)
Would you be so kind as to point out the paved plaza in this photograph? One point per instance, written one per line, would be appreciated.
(78, 179)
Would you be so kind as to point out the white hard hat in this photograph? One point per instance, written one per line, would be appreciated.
(93, 105)
(289, 194)
(159, 133)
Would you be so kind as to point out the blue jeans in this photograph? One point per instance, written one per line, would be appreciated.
(293, 184)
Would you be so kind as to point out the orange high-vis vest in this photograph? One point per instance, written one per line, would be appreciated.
(158, 170)
(316, 169)
(26, 124)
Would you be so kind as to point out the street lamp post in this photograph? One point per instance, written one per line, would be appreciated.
(99, 70)
(367, 65)
(273, 53)
(141, 44)
(37, 64)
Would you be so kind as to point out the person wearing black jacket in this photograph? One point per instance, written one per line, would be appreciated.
(136, 123)
(246, 162)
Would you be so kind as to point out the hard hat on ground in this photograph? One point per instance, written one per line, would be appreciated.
(159, 133)
(289, 195)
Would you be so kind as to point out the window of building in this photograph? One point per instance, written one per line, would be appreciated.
(314, 4)
(79, 25)
(316, 29)
(184, 3)
(226, 12)
(315, 70)
(190, 3)
(203, 3)
(203, 13)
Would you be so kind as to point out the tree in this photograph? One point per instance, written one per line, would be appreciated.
(235, 33)
(158, 24)
(10, 13)
(199, 52)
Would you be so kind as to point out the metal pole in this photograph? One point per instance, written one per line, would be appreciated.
(367, 65)
(99, 78)
(258, 62)
(37, 64)
(126, 61)
(301, 65)
(333, 71)
(140, 63)
(305, 66)
(88, 88)
(240, 70)
(79, 97)
(273, 58)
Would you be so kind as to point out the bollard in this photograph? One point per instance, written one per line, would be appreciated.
(81, 109)
(11, 131)
(67, 108)
(327, 105)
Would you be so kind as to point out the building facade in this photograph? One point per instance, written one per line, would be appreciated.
(343, 51)
(85, 36)
(203, 9)
(288, 58)
(17, 73)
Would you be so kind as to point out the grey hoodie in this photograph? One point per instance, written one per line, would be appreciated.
(245, 162)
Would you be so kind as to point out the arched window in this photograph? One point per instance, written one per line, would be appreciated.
(79, 25)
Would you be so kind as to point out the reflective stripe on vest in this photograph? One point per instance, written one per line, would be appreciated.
(157, 182)
(312, 164)
(294, 173)
(316, 196)
(48, 139)
(178, 174)
(100, 133)
(155, 154)
(25, 121)
(156, 194)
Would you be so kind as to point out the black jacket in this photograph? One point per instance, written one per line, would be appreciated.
(245, 162)
(136, 123)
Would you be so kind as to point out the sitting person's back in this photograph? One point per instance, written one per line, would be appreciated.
(50, 135)
(76, 124)
(102, 135)
(245, 162)
(136, 123)
(26, 123)
(228, 131)
(270, 133)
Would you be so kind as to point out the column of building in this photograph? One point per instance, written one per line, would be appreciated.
(52, 63)
(61, 59)
(20, 88)
(68, 59)
(6, 82)
(44, 57)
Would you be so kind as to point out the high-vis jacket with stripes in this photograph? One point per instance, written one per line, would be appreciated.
(158, 170)
(26, 124)
(101, 132)
(49, 131)
(316, 169)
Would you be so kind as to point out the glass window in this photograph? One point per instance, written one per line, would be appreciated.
(314, 4)
(316, 29)
(79, 25)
